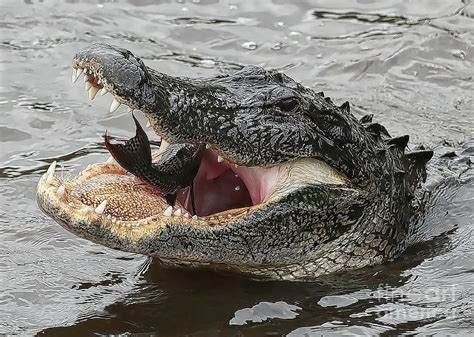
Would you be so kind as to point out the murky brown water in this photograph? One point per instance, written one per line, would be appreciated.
(409, 62)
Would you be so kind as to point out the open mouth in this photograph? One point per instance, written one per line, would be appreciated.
(223, 191)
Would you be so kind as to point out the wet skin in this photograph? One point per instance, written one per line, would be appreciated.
(289, 185)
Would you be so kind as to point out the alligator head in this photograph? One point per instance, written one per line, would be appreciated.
(290, 186)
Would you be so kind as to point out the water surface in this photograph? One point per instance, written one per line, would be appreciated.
(410, 63)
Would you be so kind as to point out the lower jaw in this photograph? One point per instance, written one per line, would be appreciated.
(221, 196)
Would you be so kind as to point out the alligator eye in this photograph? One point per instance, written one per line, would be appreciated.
(288, 104)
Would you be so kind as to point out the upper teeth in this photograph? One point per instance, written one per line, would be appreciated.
(92, 92)
(163, 146)
(114, 106)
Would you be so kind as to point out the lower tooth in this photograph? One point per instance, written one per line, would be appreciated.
(220, 159)
(177, 212)
(103, 91)
(110, 161)
(60, 190)
(168, 211)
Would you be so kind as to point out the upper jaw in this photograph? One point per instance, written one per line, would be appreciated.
(178, 111)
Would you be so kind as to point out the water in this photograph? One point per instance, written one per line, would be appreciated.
(409, 62)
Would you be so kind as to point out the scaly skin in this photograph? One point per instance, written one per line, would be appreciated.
(346, 202)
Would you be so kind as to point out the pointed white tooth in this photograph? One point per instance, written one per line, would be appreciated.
(177, 212)
(114, 220)
(195, 217)
(220, 159)
(109, 216)
(103, 91)
(101, 208)
(98, 81)
(86, 77)
(87, 85)
(85, 209)
(148, 124)
(110, 161)
(50, 172)
(79, 72)
(60, 191)
(92, 92)
(168, 211)
(186, 215)
(237, 188)
(208, 146)
(114, 106)
(51, 168)
(163, 146)
(74, 76)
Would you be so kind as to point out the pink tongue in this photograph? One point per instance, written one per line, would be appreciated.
(259, 181)
(217, 195)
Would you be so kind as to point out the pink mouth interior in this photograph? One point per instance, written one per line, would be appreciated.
(223, 186)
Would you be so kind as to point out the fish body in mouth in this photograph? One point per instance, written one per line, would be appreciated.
(287, 185)
(176, 169)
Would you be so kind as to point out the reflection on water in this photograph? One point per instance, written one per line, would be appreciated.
(410, 63)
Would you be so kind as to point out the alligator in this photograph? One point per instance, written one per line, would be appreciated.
(290, 186)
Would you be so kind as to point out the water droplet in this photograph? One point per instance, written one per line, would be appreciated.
(277, 46)
(250, 45)
(208, 63)
(460, 54)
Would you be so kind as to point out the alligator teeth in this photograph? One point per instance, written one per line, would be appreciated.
(177, 212)
(60, 191)
(163, 146)
(92, 92)
(101, 208)
(208, 146)
(110, 161)
(50, 172)
(114, 106)
(237, 188)
(87, 85)
(74, 76)
(186, 215)
(195, 217)
(168, 211)
(85, 209)
(79, 72)
(148, 124)
(220, 159)
(103, 91)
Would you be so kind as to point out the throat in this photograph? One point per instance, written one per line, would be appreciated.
(222, 186)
